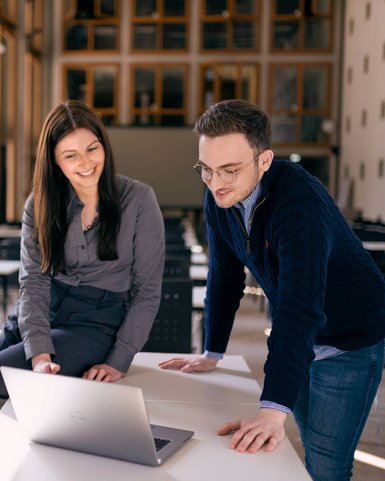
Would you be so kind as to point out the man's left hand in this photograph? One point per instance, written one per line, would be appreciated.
(102, 372)
(265, 430)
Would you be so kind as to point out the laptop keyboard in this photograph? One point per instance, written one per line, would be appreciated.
(161, 443)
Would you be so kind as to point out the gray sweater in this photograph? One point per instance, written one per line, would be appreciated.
(138, 269)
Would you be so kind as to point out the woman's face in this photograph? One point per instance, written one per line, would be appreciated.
(80, 156)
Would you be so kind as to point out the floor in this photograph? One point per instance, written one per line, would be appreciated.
(248, 338)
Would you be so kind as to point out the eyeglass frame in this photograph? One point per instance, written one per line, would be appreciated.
(235, 173)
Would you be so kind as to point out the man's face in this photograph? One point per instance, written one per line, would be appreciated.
(231, 152)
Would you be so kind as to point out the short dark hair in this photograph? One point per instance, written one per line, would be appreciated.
(236, 116)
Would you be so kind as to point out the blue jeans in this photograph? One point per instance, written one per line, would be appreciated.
(332, 409)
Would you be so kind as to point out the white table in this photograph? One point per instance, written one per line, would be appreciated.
(7, 268)
(200, 402)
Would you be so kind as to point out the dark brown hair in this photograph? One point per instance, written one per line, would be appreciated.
(236, 116)
(50, 187)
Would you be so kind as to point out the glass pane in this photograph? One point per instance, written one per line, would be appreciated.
(215, 7)
(227, 82)
(249, 86)
(145, 8)
(214, 36)
(317, 34)
(244, 35)
(285, 88)
(173, 8)
(172, 88)
(286, 35)
(144, 88)
(145, 36)
(104, 86)
(76, 37)
(245, 6)
(174, 35)
(311, 131)
(108, 119)
(323, 7)
(76, 85)
(287, 7)
(105, 37)
(208, 87)
(107, 7)
(283, 129)
(172, 120)
(315, 87)
(85, 9)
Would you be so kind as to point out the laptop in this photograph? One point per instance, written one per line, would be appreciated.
(106, 419)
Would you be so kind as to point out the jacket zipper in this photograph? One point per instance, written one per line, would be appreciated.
(250, 221)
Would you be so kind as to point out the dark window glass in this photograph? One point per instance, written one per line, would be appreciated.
(76, 84)
(215, 7)
(107, 7)
(311, 131)
(76, 37)
(228, 88)
(285, 7)
(314, 88)
(144, 36)
(214, 36)
(172, 88)
(85, 9)
(105, 37)
(104, 87)
(286, 35)
(284, 129)
(317, 34)
(144, 88)
(173, 8)
(174, 35)
(245, 6)
(108, 119)
(285, 88)
(172, 120)
(144, 119)
(144, 8)
(244, 34)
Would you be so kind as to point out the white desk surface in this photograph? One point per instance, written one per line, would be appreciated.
(9, 267)
(205, 457)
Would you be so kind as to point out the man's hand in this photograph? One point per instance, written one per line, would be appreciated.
(265, 430)
(103, 372)
(43, 363)
(184, 364)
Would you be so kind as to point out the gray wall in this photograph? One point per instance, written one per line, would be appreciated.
(163, 158)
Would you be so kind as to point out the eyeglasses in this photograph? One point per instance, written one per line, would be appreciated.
(227, 176)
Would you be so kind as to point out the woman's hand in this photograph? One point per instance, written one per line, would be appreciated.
(185, 364)
(103, 372)
(43, 363)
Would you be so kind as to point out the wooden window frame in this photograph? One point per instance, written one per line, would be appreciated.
(158, 19)
(299, 112)
(155, 109)
(229, 16)
(300, 18)
(89, 94)
(91, 23)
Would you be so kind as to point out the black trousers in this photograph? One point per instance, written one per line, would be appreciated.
(84, 322)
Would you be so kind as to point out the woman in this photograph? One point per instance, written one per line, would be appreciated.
(92, 254)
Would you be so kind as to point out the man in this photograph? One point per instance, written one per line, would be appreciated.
(326, 296)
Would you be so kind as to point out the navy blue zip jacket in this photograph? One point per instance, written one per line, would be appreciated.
(323, 287)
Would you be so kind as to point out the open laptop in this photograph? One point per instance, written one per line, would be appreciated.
(107, 419)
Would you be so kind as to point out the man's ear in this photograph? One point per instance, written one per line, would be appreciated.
(265, 160)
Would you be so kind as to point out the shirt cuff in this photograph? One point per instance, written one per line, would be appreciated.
(213, 355)
(273, 405)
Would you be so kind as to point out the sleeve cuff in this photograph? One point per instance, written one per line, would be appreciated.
(273, 405)
(213, 355)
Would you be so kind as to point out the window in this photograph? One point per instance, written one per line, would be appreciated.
(228, 81)
(159, 25)
(302, 25)
(91, 25)
(299, 102)
(97, 85)
(229, 25)
(159, 95)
